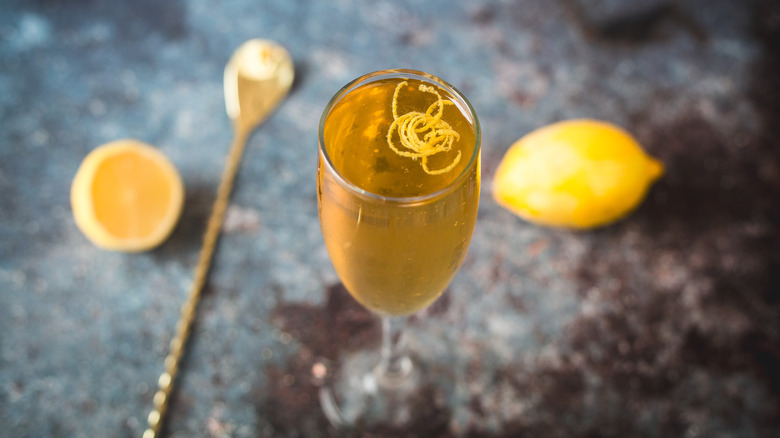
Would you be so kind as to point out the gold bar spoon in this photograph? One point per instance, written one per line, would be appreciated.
(258, 76)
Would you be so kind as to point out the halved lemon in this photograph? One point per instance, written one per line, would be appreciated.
(126, 196)
(579, 173)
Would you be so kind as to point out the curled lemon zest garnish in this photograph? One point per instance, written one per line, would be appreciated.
(423, 134)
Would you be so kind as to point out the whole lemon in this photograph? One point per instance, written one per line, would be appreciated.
(577, 174)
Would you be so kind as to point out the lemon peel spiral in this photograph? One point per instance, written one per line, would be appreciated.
(423, 134)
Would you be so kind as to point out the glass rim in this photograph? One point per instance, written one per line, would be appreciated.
(410, 74)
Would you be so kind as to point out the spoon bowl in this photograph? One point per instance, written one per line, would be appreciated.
(258, 76)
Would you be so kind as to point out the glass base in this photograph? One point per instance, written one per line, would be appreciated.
(362, 397)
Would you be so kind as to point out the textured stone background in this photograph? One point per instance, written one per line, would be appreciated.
(663, 325)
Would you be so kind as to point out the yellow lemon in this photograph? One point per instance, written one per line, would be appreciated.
(126, 196)
(576, 174)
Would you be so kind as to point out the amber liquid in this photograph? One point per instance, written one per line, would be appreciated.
(396, 252)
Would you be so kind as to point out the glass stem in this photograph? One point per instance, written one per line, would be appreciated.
(394, 365)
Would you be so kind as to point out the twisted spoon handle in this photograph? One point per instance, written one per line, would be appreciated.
(189, 309)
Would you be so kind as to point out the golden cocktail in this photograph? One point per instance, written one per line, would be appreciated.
(399, 234)
(398, 182)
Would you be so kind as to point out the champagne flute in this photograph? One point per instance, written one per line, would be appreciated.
(398, 180)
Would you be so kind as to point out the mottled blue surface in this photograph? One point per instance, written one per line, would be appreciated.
(665, 324)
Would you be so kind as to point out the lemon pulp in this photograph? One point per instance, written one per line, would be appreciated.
(126, 196)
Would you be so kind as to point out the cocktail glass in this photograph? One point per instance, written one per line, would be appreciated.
(398, 182)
